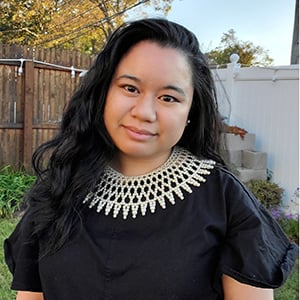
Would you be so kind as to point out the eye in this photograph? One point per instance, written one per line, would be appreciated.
(130, 88)
(168, 98)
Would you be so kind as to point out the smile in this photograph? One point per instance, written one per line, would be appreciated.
(138, 134)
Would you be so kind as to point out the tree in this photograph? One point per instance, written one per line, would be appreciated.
(250, 55)
(295, 43)
(73, 24)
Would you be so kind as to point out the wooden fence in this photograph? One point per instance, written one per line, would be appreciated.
(35, 85)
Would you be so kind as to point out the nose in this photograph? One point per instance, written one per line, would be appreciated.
(145, 108)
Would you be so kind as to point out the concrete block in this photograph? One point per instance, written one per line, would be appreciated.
(234, 157)
(246, 175)
(230, 141)
(254, 160)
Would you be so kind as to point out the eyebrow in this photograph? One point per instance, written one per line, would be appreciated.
(167, 87)
(128, 77)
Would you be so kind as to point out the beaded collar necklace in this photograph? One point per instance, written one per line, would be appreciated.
(119, 193)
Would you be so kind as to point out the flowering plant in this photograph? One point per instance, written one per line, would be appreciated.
(267, 192)
(289, 222)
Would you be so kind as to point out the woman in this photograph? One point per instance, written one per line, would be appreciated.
(134, 202)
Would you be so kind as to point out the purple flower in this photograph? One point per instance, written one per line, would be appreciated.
(289, 216)
(275, 213)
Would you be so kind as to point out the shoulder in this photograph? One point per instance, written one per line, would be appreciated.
(217, 181)
(224, 189)
(223, 179)
(226, 176)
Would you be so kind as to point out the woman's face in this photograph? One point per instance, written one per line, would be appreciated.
(148, 102)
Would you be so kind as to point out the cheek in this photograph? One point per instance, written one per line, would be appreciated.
(105, 113)
(175, 124)
(110, 106)
(108, 113)
(116, 104)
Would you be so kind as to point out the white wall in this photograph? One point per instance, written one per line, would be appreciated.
(265, 101)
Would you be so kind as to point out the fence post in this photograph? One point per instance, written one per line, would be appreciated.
(28, 113)
(233, 69)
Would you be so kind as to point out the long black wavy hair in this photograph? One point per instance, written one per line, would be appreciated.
(69, 165)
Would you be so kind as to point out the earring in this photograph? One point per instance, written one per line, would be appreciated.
(188, 122)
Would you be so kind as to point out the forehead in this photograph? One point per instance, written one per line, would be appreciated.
(150, 59)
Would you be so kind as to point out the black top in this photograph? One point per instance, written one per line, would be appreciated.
(175, 253)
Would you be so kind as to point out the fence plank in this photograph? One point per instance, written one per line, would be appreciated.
(2, 79)
(28, 112)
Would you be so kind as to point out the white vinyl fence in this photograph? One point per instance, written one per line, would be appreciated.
(265, 102)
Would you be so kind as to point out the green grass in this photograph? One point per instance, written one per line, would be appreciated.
(289, 291)
(13, 184)
(6, 227)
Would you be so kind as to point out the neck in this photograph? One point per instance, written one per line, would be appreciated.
(135, 166)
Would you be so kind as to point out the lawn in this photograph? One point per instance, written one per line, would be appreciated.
(6, 227)
(289, 291)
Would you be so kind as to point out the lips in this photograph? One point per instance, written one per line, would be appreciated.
(138, 133)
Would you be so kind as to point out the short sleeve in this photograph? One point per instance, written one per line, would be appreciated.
(21, 256)
(256, 251)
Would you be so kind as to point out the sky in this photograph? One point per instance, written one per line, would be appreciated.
(265, 23)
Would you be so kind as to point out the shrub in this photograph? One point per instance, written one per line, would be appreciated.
(268, 193)
(288, 222)
(13, 184)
